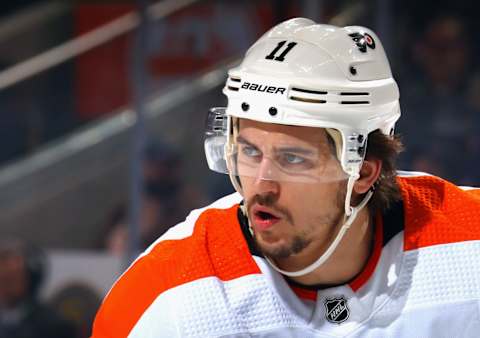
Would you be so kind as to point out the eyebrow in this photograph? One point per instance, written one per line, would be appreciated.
(242, 140)
(296, 150)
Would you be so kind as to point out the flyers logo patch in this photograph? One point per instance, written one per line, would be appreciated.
(363, 41)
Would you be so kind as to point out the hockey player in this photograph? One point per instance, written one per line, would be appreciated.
(322, 238)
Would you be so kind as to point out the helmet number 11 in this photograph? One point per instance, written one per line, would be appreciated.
(281, 57)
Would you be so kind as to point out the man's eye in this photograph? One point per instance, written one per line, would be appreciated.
(293, 159)
(250, 151)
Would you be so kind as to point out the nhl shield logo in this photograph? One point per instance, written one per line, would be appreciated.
(336, 310)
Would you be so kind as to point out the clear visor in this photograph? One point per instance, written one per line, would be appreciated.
(270, 152)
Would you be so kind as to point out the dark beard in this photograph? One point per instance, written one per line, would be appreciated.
(301, 241)
(298, 244)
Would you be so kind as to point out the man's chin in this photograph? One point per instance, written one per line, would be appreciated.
(277, 248)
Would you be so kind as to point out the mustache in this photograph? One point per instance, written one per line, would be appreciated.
(270, 201)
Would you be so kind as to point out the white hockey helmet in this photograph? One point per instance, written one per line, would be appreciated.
(305, 74)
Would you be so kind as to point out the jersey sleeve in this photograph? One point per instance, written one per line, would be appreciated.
(127, 301)
(208, 244)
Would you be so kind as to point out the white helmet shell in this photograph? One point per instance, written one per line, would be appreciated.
(307, 74)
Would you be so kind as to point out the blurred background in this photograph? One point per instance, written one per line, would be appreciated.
(102, 116)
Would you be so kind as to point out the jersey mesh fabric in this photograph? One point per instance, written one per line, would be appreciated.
(438, 212)
(175, 262)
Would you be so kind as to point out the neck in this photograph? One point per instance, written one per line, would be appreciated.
(347, 261)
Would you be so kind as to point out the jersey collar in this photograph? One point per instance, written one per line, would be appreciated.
(393, 217)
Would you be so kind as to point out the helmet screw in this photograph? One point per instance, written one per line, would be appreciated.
(360, 138)
(353, 70)
(245, 106)
(273, 111)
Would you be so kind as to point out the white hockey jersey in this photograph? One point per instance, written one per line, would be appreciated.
(203, 278)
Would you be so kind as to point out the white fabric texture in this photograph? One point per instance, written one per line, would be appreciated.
(411, 294)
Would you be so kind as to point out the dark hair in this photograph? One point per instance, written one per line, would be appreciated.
(385, 148)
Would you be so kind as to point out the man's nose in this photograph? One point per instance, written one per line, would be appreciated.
(267, 180)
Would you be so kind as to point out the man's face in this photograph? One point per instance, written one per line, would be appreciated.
(294, 188)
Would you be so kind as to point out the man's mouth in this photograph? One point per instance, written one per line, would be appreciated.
(264, 218)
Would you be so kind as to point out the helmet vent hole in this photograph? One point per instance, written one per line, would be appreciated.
(309, 91)
(232, 83)
(353, 98)
(308, 95)
(322, 96)
(355, 93)
(304, 99)
(354, 102)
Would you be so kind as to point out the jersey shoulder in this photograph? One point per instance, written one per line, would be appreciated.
(190, 251)
(437, 211)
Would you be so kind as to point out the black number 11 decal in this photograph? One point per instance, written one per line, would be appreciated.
(281, 57)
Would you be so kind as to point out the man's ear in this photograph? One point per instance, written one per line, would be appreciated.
(369, 174)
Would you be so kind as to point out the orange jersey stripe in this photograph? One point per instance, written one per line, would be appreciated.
(304, 293)
(218, 248)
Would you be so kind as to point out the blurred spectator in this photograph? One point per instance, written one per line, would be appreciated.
(165, 200)
(436, 104)
(22, 315)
